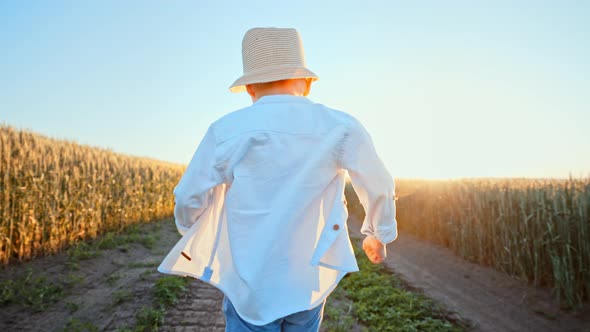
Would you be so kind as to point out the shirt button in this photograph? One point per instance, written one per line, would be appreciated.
(336, 227)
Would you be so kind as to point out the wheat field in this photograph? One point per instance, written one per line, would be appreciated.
(54, 193)
(536, 230)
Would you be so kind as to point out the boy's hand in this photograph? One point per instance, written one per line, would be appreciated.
(374, 249)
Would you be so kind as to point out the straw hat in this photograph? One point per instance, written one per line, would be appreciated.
(271, 54)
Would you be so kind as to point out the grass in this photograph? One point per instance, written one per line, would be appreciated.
(121, 296)
(111, 240)
(165, 293)
(72, 279)
(82, 251)
(145, 274)
(380, 301)
(30, 290)
(72, 307)
(149, 319)
(132, 235)
(35, 291)
(76, 325)
(112, 278)
(138, 265)
(338, 314)
(168, 288)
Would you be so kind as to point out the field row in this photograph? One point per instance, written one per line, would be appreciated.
(537, 230)
(55, 193)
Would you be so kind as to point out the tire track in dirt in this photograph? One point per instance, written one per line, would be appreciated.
(198, 309)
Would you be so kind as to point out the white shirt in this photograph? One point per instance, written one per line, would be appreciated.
(262, 210)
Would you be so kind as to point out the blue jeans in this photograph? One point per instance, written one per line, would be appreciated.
(303, 321)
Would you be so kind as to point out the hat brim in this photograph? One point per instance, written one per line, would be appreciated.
(271, 74)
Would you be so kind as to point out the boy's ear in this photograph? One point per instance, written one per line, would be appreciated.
(307, 87)
(250, 90)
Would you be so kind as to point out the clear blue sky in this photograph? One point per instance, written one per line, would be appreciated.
(446, 88)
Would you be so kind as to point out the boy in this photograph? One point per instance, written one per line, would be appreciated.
(261, 205)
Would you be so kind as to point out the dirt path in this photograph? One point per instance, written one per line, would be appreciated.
(491, 300)
(105, 292)
(199, 309)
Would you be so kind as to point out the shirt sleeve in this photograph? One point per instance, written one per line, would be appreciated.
(192, 193)
(372, 183)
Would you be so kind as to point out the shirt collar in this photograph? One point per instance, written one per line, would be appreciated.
(282, 99)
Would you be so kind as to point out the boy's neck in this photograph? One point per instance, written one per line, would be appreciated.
(276, 92)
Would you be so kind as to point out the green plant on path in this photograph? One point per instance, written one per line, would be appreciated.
(149, 319)
(168, 288)
(76, 325)
(30, 290)
(380, 302)
(121, 296)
